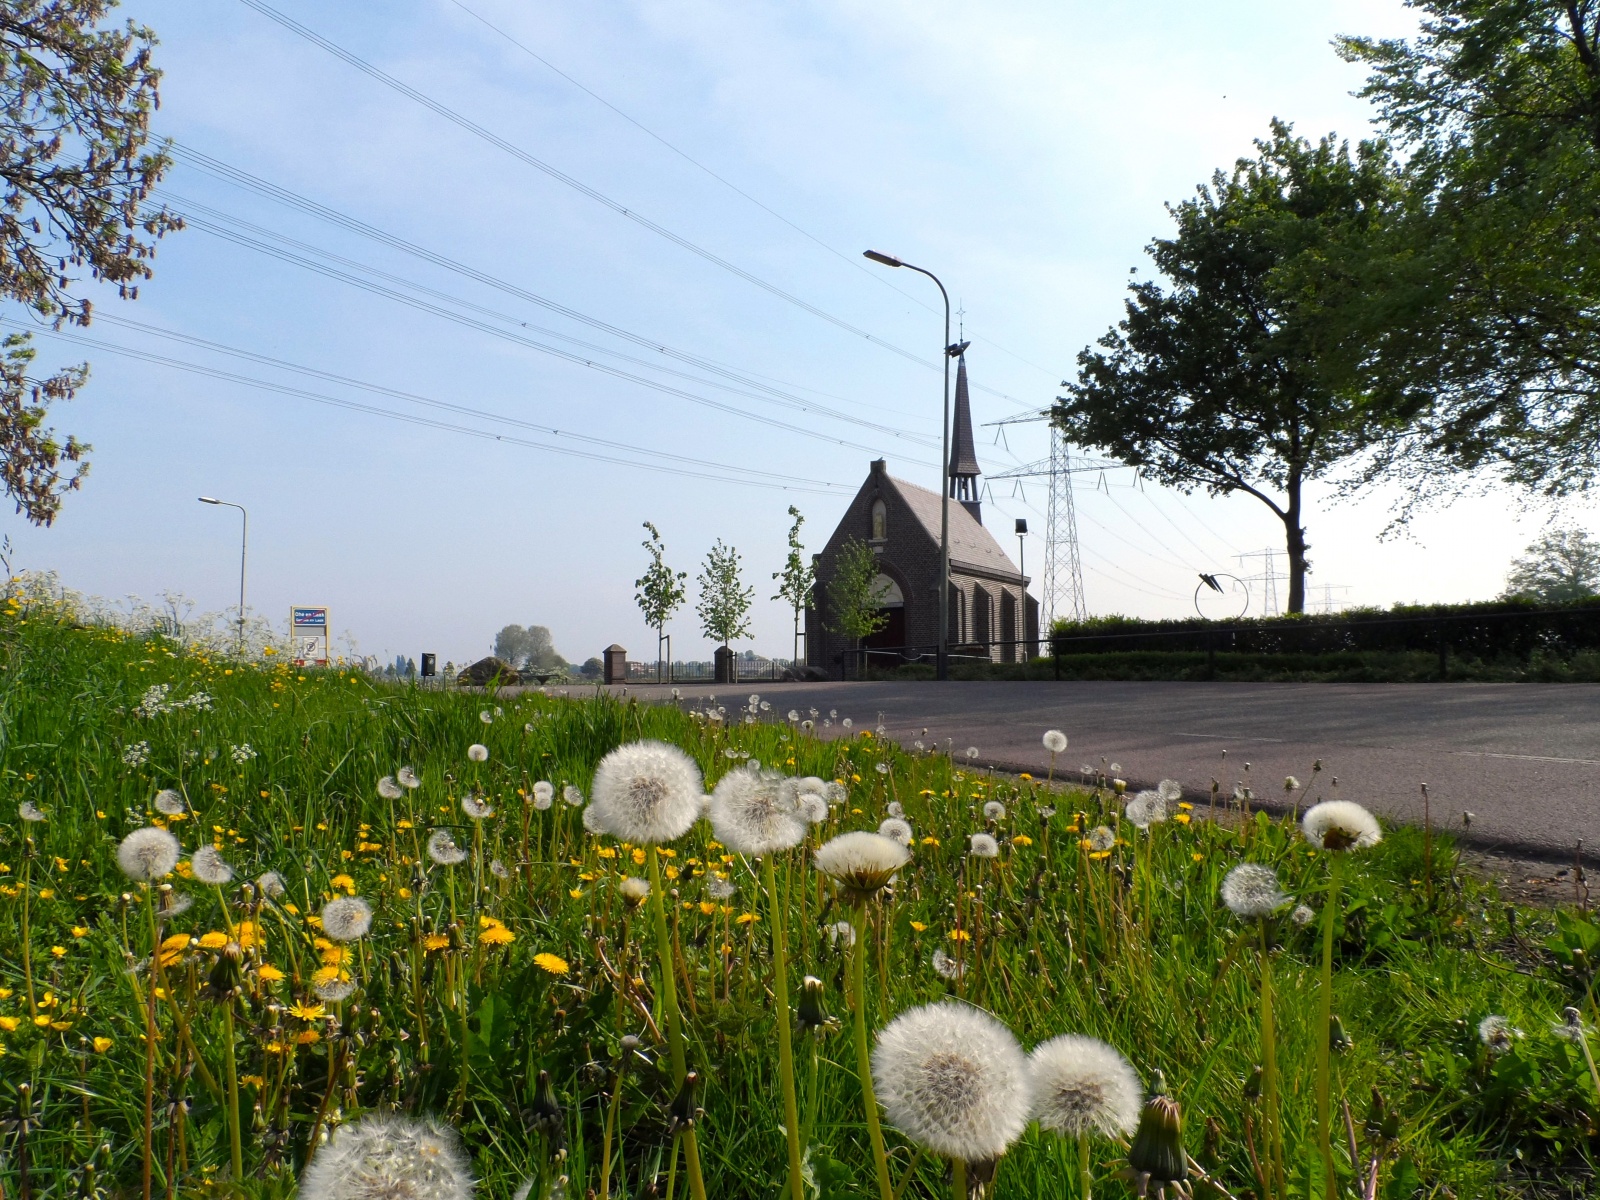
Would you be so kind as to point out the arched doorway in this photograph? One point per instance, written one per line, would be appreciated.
(892, 605)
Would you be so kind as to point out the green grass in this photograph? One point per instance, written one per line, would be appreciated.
(1060, 943)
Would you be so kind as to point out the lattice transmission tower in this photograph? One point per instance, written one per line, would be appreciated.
(1061, 587)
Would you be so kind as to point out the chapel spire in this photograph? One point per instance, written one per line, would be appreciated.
(964, 470)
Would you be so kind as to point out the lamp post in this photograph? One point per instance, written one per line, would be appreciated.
(942, 661)
(1022, 563)
(244, 542)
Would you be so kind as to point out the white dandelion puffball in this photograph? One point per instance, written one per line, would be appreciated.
(1340, 825)
(476, 807)
(210, 867)
(572, 795)
(953, 1079)
(897, 828)
(544, 794)
(646, 793)
(29, 811)
(860, 862)
(1302, 915)
(896, 809)
(346, 919)
(1497, 1033)
(946, 967)
(1170, 790)
(813, 807)
(837, 793)
(984, 846)
(1252, 893)
(591, 822)
(498, 869)
(1081, 1085)
(270, 885)
(486, 717)
(720, 888)
(148, 854)
(972, 752)
(812, 783)
(388, 788)
(407, 778)
(1055, 741)
(757, 812)
(1101, 839)
(1146, 809)
(169, 803)
(478, 752)
(335, 990)
(443, 850)
(384, 1157)
(994, 811)
(847, 722)
(635, 890)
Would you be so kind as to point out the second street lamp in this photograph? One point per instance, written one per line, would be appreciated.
(244, 542)
(942, 662)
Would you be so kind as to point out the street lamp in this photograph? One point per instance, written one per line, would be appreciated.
(244, 540)
(1022, 563)
(942, 662)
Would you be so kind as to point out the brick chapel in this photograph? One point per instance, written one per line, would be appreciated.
(989, 600)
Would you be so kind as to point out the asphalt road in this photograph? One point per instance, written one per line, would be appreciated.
(1523, 758)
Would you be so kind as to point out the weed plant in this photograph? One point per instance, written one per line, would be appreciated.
(203, 1038)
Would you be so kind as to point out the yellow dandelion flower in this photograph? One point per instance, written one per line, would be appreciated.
(672, 872)
(1181, 818)
(666, 852)
(345, 882)
(576, 893)
(497, 935)
(1025, 777)
(402, 824)
(58, 951)
(707, 908)
(638, 857)
(405, 893)
(329, 974)
(307, 1037)
(919, 926)
(930, 841)
(306, 1012)
(485, 921)
(255, 1081)
(270, 973)
(102, 1044)
(960, 935)
(435, 941)
(9, 1024)
(1099, 854)
(79, 931)
(213, 940)
(606, 852)
(552, 963)
(746, 919)
(41, 1020)
(61, 1026)
(1197, 856)
(1022, 839)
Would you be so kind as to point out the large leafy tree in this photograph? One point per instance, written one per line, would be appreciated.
(1493, 330)
(1237, 374)
(76, 172)
(1563, 565)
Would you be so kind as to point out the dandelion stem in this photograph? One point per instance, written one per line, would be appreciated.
(958, 1179)
(150, 1041)
(235, 1133)
(1324, 1026)
(1269, 1067)
(669, 1005)
(1085, 1177)
(27, 936)
(869, 1099)
(611, 1125)
(780, 989)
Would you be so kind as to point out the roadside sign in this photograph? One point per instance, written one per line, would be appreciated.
(308, 631)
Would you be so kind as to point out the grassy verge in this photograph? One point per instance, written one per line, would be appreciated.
(525, 961)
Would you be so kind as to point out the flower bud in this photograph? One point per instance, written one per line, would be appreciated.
(1157, 1151)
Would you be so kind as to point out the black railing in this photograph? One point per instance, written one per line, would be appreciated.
(860, 662)
(760, 670)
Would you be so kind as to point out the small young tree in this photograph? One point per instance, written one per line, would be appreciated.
(661, 591)
(724, 604)
(1561, 566)
(798, 579)
(855, 603)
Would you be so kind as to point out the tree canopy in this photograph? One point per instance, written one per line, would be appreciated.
(1239, 374)
(1561, 566)
(661, 592)
(724, 603)
(1493, 334)
(76, 173)
(854, 601)
(528, 648)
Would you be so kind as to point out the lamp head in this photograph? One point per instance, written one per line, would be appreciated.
(887, 260)
(1022, 526)
(209, 500)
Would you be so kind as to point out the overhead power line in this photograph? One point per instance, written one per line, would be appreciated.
(853, 260)
(584, 189)
(692, 467)
(295, 200)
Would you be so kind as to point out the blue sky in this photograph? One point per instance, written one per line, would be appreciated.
(1021, 150)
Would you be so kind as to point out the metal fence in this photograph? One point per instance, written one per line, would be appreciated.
(748, 670)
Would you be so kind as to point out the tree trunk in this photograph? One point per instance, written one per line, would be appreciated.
(1296, 545)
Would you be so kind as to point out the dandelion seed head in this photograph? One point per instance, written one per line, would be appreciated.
(498, 869)
(388, 788)
(1081, 1085)
(946, 967)
(1572, 1027)
(346, 918)
(443, 850)
(407, 778)
(387, 1157)
(1291, 784)
(1340, 825)
(983, 845)
(1302, 915)
(29, 811)
(1170, 790)
(544, 795)
(572, 795)
(972, 752)
(1147, 808)
(635, 890)
(836, 792)
(1497, 1033)
(478, 752)
(210, 867)
(1252, 893)
(1101, 839)
(169, 803)
(757, 812)
(842, 933)
(1055, 741)
(646, 793)
(335, 990)
(897, 828)
(486, 717)
(270, 884)
(813, 807)
(896, 809)
(881, 768)
(719, 888)
(953, 1079)
(476, 807)
(861, 863)
(147, 854)
(994, 811)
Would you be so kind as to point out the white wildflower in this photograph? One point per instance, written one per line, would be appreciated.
(1252, 893)
(1055, 741)
(443, 850)
(1081, 1085)
(982, 845)
(242, 753)
(646, 793)
(387, 1157)
(861, 863)
(209, 866)
(1340, 825)
(148, 854)
(478, 752)
(897, 828)
(137, 754)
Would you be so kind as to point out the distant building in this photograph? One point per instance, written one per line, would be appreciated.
(989, 602)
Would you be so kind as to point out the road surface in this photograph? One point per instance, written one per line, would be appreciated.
(1523, 758)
